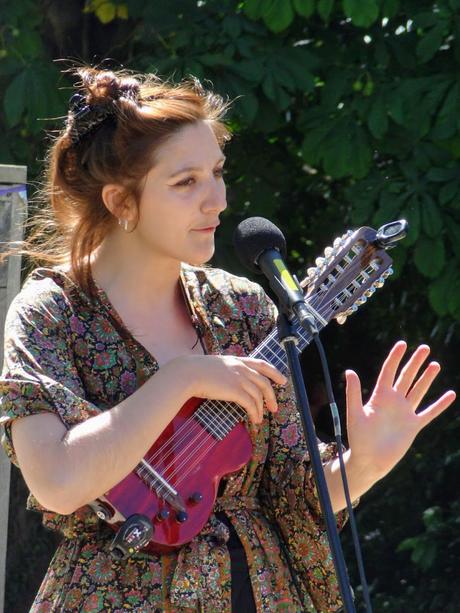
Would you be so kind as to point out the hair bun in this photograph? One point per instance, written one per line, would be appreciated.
(104, 87)
(130, 88)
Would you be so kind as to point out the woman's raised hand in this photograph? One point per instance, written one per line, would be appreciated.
(381, 431)
(246, 381)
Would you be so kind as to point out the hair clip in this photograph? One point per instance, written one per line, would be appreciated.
(83, 118)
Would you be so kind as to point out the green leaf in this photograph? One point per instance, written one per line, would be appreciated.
(430, 43)
(105, 12)
(395, 106)
(412, 213)
(249, 105)
(254, 9)
(453, 298)
(299, 63)
(279, 15)
(361, 153)
(251, 70)
(431, 216)
(337, 83)
(231, 25)
(362, 13)
(439, 290)
(443, 174)
(275, 92)
(446, 120)
(424, 554)
(311, 147)
(16, 97)
(429, 256)
(389, 206)
(453, 232)
(305, 8)
(390, 8)
(324, 9)
(378, 119)
(448, 192)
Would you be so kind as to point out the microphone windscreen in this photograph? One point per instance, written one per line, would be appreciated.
(255, 235)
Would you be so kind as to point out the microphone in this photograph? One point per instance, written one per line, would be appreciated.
(261, 247)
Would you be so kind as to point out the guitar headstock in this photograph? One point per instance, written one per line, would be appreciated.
(352, 269)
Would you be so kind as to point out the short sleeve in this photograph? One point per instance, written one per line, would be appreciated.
(39, 373)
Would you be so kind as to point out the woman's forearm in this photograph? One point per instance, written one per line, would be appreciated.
(66, 469)
(360, 476)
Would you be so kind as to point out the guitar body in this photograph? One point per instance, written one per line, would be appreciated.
(197, 487)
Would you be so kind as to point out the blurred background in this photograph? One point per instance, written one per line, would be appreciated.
(345, 113)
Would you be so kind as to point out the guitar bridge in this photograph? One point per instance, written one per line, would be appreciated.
(163, 489)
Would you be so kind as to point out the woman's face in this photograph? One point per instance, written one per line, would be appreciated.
(182, 197)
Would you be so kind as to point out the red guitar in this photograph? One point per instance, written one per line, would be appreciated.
(169, 497)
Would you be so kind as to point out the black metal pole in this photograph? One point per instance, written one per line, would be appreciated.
(288, 339)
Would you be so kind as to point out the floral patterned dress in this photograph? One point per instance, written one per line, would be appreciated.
(71, 354)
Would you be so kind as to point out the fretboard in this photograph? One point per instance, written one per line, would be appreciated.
(220, 417)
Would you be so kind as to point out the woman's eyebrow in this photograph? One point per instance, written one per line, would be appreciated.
(192, 168)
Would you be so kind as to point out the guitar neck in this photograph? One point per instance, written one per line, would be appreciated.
(219, 417)
(272, 351)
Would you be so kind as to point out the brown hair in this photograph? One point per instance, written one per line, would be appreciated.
(115, 124)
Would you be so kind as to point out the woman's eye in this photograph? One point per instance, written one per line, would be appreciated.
(220, 172)
(185, 182)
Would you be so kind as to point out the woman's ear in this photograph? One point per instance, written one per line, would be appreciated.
(118, 201)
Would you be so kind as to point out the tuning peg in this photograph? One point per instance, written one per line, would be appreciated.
(379, 283)
(341, 319)
(337, 242)
(329, 251)
(319, 262)
(311, 272)
(352, 309)
(361, 300)
(387, 272)
(369, 292)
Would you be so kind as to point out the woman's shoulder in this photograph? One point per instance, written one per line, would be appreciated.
(45, 290)
(222, 281)
(221, 290)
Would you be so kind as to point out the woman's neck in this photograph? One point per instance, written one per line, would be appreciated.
(136, 281)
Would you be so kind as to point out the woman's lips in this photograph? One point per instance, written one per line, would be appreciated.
(207, 229)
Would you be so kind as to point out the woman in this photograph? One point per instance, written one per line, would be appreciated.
(104, 348)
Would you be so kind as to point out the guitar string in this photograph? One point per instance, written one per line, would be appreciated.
(208, 447)
(206, 450)
(203, 447)
(259, 351)
(316, 298)
(200, 430)
(202, 450)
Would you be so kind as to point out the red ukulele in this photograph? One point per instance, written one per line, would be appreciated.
(168, 498)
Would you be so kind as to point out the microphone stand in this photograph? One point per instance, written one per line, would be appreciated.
(288, 339)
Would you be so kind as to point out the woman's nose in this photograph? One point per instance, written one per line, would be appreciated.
(216, 198)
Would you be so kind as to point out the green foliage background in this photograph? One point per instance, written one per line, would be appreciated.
(346, 113)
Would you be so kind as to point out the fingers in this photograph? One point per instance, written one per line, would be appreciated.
(265, 388)
(421, 387)
(353, 391)
(391, 365)
(411, 369)
(266, 369)
(255, 402)
(248, 403)
(435, 409)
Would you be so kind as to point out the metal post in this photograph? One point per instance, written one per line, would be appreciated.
(13, 211)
